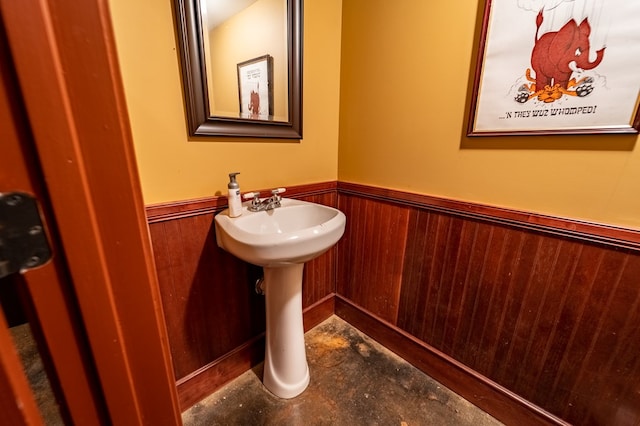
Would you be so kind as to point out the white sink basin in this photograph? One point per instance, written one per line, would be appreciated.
(296, 232)
(281, 241)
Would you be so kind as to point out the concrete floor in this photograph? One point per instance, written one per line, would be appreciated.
(34, 370)
(354, 381)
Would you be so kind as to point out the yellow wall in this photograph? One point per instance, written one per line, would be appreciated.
(401, 114)
(174, 168)
(405, 71)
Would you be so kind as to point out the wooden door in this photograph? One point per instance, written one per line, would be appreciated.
(98, 301)
(47, 295)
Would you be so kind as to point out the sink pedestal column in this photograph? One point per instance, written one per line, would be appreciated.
(286, 373)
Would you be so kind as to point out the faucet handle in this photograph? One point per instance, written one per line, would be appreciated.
(249, 195)
(275, 196)
(253, 196)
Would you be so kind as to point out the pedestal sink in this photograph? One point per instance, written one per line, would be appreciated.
(281, 241)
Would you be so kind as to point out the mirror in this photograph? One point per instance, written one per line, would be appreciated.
(242, 67)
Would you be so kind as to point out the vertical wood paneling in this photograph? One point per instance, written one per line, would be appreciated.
(444, 250)
(459, 287)
(319, 278)
(474, 352)
(549, 341)
(474, 296)
(603, 320)
(512, 309)
(207, 294)
(371, 255)
(549, 317)
(494, 341)
(529, 319)
(623, 360)
(415, 253)
(573, 337)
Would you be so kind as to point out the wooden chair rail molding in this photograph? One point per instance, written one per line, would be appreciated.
(179, 209)
(582, 230)
(585, 231)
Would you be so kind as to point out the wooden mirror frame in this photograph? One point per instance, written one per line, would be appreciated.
(200, 122)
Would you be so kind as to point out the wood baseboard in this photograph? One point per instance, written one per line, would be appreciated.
(318, 312)
(494, 399)
(203, 382)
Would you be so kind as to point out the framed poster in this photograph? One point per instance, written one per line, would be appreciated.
(255, 88)
(557, 67)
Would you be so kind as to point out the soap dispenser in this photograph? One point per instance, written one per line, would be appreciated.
(235, 202)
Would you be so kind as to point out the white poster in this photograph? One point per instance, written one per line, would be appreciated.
(255, 79)
(558, 66)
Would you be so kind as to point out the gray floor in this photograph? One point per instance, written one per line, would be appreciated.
(354, 381)
(34, 370)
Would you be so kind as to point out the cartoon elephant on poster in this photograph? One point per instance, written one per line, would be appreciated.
(554, 53)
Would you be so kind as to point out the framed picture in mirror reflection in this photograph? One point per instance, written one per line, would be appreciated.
(255, 88)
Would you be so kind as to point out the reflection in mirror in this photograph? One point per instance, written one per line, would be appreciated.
(241, 66)
(241, 32)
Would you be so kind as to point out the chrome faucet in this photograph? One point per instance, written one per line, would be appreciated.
(270, 203)
(254, 206)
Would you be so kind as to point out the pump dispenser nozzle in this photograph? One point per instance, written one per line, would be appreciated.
(233, 183)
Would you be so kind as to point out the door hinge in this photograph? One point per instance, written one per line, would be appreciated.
(23, 240)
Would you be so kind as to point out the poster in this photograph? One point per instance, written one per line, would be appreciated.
(557, 67)
(255, 88)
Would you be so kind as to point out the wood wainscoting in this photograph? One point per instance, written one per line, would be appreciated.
(215, 319)
(532, 318)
